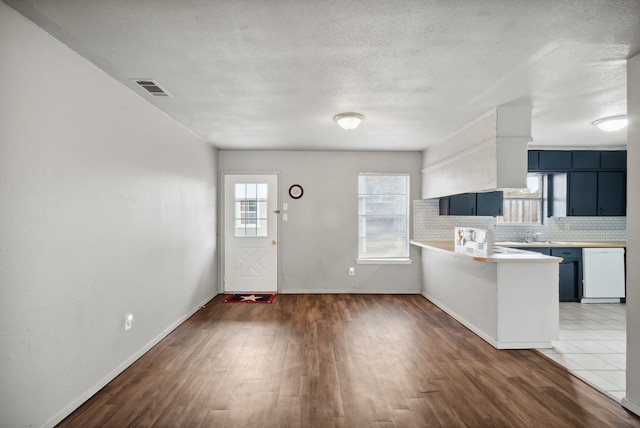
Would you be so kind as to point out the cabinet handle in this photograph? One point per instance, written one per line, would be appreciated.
(601, 211)
(472, 210)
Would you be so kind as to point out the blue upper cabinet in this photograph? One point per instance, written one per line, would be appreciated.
(533, 160)
(593, 193)
(615, 159)
(582, 194)
(554, 160)
(585, 159)
(576, 160)
(472, 204)
(464, 204)
(612, 193)
(489, 203)
(594, 183)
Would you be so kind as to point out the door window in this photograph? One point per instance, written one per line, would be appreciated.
(251, 209)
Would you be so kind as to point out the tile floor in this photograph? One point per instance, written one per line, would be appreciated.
(593, 345)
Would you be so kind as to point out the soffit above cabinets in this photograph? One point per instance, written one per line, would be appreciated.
(488, 154)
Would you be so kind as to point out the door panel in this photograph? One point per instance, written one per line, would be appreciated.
(612, 193)
(464, 204)
(583, 193)
(251, 233)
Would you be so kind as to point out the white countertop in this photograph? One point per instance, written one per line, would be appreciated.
(507, 255)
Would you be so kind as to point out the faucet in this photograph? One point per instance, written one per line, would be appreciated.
(528, 237)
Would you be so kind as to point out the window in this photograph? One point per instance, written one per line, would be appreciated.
(383, 213)
(251, 209)
(524, 206)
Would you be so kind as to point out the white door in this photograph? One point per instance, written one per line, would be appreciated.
(250, 233)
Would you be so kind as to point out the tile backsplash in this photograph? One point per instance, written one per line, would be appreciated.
(428, 224)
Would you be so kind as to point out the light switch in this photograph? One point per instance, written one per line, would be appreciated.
(284, 217)
(128, 321)
(285, 207)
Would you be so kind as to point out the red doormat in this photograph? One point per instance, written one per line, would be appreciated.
(250, 298)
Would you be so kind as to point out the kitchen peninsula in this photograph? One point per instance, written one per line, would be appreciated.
(508, 297)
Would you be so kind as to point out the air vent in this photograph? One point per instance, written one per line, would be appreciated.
(152, 87)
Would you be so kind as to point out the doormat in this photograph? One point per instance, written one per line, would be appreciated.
(250, 298)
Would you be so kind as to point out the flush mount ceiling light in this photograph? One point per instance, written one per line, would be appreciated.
(348, 120)
(613, 123)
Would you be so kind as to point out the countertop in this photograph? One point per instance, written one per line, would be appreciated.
(562, 244)
(504, 255)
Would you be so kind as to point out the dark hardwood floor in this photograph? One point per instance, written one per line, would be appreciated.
(341, 361)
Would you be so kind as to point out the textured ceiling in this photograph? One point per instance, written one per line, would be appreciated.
(272, 74)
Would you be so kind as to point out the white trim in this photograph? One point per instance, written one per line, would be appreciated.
(221, 222)
(415, 290)
(407, 216)
(496, 343)
(632, 407)
(389, 261)
(122, 367)
(461, 320)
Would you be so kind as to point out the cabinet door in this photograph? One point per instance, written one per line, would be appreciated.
(612, 193)
(554, 160)
(444, 205)
(568, 281)
(532, 160)
(582, 194)
(616, 159)
(464, 204)
(585, 159)
(489, 204)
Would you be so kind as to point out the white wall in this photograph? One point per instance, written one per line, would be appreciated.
(107, 208)
(632, 400)
(319, 242)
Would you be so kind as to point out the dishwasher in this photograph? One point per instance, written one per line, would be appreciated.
(603, 275)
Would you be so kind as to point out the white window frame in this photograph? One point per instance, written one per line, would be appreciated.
(243, 219)
(399, 259)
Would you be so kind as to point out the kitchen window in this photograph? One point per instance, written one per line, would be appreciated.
(383, 218)
(524, 206)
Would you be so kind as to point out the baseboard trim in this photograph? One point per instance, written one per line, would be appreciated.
(632, 407)
(343, 291)
(484, 336)
(122, 367)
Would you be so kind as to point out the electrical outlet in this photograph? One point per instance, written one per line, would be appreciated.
(285, 207)
(128, 321)
(285, 217)
(352, 271)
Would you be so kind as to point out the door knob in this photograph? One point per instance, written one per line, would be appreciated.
(273, 242)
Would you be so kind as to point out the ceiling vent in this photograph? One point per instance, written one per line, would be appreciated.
(152, 87)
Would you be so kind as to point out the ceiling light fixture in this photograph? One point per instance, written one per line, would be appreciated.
(613, 123)
(348, 120)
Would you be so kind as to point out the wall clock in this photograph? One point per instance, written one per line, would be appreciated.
(296, 191)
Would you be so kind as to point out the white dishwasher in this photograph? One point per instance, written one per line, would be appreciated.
(603, 275)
